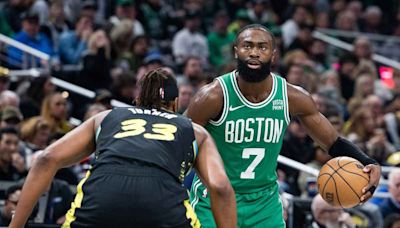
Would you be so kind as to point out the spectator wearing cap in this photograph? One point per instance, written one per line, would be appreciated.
(89, 8)
(11, 117)
(30, 36)
(189, 41)
(153, 60)
(74, 43)
(125, 9)
(220, 41)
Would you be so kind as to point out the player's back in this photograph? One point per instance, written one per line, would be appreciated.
(156, 138)
(142, 156)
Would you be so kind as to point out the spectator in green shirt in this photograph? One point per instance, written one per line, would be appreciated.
(220, 41)
(5, 28)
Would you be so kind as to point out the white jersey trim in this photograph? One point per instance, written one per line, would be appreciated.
(195, 186)
(247, 102)
(226, 104)
(285, 101)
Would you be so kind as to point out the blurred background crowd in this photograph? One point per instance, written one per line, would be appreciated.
(106, 46)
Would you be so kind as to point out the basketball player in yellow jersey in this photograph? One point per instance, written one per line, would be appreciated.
(246, 112)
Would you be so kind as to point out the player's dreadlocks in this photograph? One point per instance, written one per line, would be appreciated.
(158, 88)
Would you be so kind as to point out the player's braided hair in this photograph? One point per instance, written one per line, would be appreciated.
(158, 89)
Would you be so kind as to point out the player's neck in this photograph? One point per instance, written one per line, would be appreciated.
(255, 92)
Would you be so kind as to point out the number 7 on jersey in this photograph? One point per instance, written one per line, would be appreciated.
(247, 152)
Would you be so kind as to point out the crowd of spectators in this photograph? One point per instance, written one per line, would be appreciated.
(114, 43)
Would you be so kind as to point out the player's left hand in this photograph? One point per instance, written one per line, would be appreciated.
(374, 171)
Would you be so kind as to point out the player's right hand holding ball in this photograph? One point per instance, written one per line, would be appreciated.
(374, 171)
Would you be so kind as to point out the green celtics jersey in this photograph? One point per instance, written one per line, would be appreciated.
(249, 135)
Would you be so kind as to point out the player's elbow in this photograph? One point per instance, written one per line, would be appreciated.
(221, 188)
(45, 159)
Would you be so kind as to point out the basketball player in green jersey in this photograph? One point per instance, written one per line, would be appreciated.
(247, 111)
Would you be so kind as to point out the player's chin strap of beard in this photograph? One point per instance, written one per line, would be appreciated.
(343, 147)
(168, 90)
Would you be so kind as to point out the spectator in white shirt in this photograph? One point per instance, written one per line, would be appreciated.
(189, 42)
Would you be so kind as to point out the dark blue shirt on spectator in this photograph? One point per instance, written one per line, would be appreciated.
(389, 206)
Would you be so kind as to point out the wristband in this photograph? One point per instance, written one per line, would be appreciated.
(343, 147)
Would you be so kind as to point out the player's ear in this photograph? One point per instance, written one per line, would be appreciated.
(235, 51)
(273, 56)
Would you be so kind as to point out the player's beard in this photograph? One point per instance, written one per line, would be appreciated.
(253, 75)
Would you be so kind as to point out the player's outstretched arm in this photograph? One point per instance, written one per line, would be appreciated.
(206, 104)
(322, 132)
(68, 150)
(210, 169)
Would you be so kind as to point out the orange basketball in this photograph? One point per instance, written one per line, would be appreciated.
(341, 180)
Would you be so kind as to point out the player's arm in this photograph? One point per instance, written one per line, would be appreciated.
(210, 169)
(321, 131)
(68, 150)
(206, 104)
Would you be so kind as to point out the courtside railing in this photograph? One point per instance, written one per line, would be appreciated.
(349, 47)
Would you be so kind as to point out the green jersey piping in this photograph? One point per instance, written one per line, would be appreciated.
(226, 104)
(247, 102)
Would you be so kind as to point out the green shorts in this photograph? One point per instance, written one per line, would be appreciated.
(261, 209)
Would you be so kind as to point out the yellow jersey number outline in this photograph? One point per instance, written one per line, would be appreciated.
(160, 131)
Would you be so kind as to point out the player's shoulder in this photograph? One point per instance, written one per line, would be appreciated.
(299, 99)
(207, 103)
(210, 92)
(297, 93)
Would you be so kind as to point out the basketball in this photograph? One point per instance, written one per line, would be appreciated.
(341, 180)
